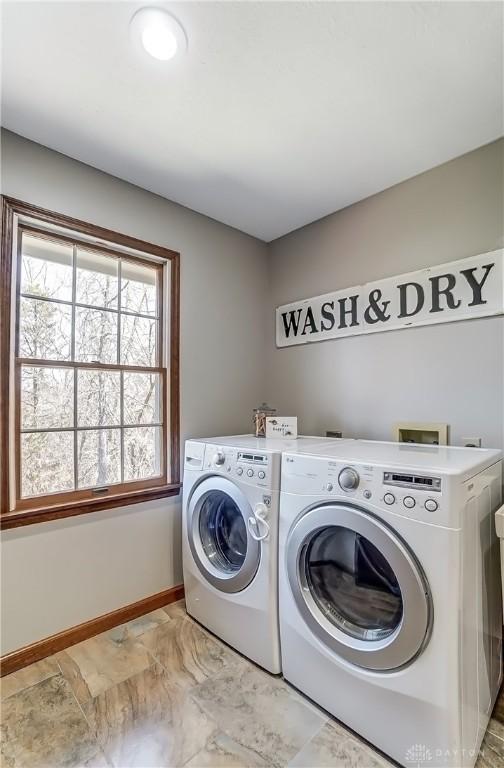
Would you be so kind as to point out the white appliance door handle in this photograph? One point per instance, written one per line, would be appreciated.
(258, 522)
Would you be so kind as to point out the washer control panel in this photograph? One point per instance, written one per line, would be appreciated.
(246, 466)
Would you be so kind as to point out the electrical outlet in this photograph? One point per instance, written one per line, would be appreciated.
(471, 442)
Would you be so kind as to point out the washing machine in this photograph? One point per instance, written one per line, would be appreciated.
(390, 603)
(230, 539)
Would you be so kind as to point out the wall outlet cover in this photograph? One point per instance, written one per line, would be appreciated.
(471, 442)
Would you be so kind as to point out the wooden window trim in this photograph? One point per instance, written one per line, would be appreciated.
(80, 501)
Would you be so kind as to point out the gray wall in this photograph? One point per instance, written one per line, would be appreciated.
(363, 384)
(58, 574)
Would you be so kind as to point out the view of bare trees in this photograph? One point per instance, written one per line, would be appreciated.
(86, 427)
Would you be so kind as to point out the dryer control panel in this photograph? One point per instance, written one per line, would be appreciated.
(416, 495)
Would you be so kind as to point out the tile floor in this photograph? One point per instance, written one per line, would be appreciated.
(160, 691)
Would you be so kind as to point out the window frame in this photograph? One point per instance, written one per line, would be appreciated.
(18, 217)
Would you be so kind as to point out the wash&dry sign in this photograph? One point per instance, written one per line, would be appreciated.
(459, 290)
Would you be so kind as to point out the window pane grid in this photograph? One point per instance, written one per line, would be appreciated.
(143, 435)
(130, 450)
(143, 341)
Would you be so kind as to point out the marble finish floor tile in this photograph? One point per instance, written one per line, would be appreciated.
(223, 752)
(148, 721)
(101, 662)
(176, 610)
(44, 727)
(491, 752)
(24, 678)
(162, 692)
(139, 626)
(498, 713)
(496, 728)
(188, 653)
(333, 746)
(259, 712)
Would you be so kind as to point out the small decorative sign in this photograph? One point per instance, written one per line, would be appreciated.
(460, 290)
(281, 426)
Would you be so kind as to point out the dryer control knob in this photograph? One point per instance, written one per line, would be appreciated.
(219, 458)
(431, 505)
(329, 486)
(239, 470)
(389, 498)
(348, 479)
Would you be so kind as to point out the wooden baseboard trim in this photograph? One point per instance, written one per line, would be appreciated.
(11, 662)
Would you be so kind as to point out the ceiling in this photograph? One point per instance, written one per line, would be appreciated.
(278, 114)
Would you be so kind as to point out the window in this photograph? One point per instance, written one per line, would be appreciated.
(90, 399)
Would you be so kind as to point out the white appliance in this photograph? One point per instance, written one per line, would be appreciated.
(499, 527)
(390, 603)
(230, 539)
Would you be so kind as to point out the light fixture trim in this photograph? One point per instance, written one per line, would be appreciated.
(158, 33)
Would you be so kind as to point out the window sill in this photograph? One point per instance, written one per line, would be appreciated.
(18, 518)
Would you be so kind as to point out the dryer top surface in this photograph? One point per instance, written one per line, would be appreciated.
(443, 459)
(304, 444)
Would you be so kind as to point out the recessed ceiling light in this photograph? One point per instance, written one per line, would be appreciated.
(158, 33)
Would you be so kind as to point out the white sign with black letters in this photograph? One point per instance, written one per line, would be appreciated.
(460, 290)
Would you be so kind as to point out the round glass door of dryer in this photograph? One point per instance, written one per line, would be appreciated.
(352, 583)
(222, 548)
(359, 587)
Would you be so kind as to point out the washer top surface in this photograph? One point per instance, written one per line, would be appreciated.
(452, 460)
(274, 445)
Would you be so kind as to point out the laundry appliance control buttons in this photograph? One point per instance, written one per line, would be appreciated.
(409, 502)
(261, 475)
(367, 494)
(348, 479)
(389, 498)
(431, 505)
(219, 458)
(329, 486)
(239, 470)
(250, 472)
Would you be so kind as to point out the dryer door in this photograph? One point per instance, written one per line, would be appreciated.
(222, 548)
(359, 587)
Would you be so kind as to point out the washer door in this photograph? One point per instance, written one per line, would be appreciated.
(222, 548)
(359, 587)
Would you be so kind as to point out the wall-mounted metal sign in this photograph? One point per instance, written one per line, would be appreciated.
(459, 290)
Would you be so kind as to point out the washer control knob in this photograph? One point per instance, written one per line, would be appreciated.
(348, 479)
(239, 470)
(367, 494)
(431, 505)
(409, 502)
(389, 498)
(329, 486)
(250, 472)
(219, 458)
(261, 474)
